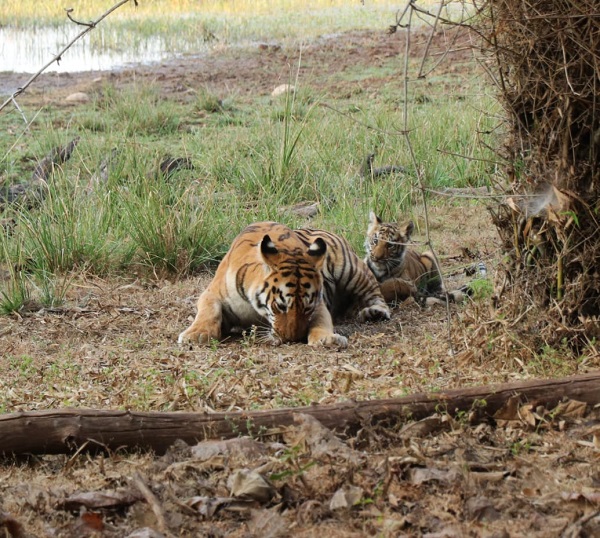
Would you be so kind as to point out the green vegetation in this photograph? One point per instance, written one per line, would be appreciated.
(481, 288)
(254, 158)
(189, 25)
(192, 27)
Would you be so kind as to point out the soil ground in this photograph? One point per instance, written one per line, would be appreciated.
(113, 345)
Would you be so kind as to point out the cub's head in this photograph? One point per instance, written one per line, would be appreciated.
(386, 244)
(293, 288)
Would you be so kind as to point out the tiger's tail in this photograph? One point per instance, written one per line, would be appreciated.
(459, 294)
(431, 281)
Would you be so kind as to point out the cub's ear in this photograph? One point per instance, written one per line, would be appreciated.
(374, 219)
(409, 229)
(318, 248)
(268, 248)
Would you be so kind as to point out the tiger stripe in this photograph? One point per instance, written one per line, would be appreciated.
(292, 281)
(401, 271)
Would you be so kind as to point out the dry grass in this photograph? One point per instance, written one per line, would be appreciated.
(113, 345)
(545, 62)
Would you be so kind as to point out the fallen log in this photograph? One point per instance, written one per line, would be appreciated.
(67, 430)
(32, 192)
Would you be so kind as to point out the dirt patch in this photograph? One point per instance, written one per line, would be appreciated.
(113, 345)
(258, 69)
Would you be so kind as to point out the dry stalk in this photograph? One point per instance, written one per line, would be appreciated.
(547, 57)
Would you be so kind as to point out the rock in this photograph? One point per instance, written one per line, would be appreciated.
(77, 97)
(281, 89)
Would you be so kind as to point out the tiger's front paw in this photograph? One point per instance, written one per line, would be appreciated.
(330, 340)
(193, 334)
(374, 313)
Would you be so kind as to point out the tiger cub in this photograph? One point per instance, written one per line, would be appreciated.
(290, 283)
(402, 272)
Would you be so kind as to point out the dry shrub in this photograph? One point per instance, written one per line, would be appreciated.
(546, 58)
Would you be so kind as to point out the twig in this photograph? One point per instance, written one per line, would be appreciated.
(429, 41)
(88, 24)
(473, 196)
(419, 174)
(364, 124)
(468, 158)
(33, 191)
(394, 27)
(57, 58)
(14, 102)
(151, 499)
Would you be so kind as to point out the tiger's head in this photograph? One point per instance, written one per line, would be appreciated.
(293, 288)
(386, 244)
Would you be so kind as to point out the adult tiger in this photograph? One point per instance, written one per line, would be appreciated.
(401, 271)
(292, 282)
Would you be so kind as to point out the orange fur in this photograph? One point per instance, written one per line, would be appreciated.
(290, 283)
(401, 271)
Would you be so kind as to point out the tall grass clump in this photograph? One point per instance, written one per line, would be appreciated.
(15, 290)
(139, 110)
(72, 232)
(14, 293)
(278, 169)
(175, 228)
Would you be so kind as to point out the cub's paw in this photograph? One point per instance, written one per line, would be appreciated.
(374, 313)
(331, 340)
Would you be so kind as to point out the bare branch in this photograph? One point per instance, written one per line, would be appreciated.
(418, 169)
(57, 58)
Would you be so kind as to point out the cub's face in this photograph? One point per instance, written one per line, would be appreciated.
(293, 289)
(386, 244)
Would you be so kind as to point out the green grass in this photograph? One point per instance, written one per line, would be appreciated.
(253, 157)
(273, 155)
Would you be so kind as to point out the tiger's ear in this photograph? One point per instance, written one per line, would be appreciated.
(268, 248)
(374, 220)
(409, 229)
(374, 223)
(317, 251)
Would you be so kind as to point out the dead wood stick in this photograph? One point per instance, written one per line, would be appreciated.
(64, 430)
(32, 192)
(57, 155)
(151, 499)
(369, 171)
